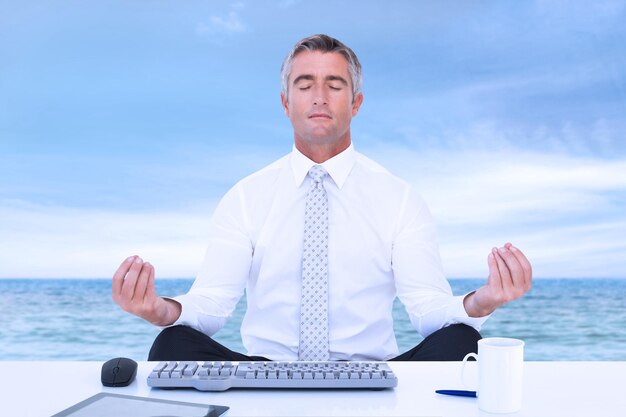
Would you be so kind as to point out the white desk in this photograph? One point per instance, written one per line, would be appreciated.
(551, 389)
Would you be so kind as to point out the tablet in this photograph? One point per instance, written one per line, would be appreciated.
(106, 405)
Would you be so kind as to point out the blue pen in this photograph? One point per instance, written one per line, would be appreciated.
(458, 393)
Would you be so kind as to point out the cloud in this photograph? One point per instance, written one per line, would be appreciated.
(65, 242)
(572, 105)
(590, 250)
(564, 211)
(288, 3)
(492, 187)
(230, 23)
(598, 138)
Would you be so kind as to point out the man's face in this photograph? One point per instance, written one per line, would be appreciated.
(319, 102)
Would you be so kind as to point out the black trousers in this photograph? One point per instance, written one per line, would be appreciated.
(180, 343)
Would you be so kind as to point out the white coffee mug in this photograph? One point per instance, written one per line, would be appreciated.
(500, 374)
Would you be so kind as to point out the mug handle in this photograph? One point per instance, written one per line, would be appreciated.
(469, 355)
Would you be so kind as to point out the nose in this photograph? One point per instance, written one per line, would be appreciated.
(320, 97)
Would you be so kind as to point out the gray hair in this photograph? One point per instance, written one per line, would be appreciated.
(323, 43)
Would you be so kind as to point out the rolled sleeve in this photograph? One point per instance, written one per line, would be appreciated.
(457, 314)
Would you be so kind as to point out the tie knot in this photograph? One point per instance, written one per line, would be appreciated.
(317, 173)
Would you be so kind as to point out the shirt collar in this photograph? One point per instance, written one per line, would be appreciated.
(338, 167)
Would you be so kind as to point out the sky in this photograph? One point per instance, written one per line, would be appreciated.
(122, 123)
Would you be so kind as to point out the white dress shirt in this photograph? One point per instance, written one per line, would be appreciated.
(382, 244)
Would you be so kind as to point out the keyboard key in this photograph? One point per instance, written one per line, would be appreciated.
(159, 368)
(190, 368)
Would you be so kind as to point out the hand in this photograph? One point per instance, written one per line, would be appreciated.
(510, 277)
(133, 290)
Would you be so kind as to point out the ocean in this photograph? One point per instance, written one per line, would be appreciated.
(76, 319)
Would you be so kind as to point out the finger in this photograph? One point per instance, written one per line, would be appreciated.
(505, 275)
(525, 265)
(142, 282)
(493, 280)
(118, 277)
(514, 268)
(128, 288)
(150, 289)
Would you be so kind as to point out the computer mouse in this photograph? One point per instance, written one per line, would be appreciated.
(118, 372)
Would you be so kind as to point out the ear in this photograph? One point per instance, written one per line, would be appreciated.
(285, 103)
(356, 104)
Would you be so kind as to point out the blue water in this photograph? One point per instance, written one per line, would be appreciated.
(70, 319)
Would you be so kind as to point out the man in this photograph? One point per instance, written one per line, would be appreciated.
(322, 240)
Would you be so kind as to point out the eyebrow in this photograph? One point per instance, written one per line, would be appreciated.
(309, 77)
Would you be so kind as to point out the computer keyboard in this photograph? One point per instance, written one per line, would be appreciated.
(220, 376)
